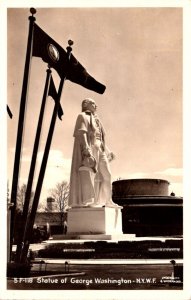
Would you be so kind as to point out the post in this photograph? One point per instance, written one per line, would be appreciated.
(32, 166)
(29, 229)
(24, 94)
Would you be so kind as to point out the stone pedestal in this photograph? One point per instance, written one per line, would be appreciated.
(94, 221)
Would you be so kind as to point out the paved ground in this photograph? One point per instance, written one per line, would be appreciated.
(84, 276)
(136, 274)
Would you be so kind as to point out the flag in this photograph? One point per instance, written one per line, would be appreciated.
(53, 93)
(53, 54)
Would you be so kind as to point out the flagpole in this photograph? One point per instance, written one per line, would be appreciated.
(29, 230)
(9, 112)
(21, 124)
(32, 167)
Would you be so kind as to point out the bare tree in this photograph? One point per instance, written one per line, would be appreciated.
(19, 222)
(60, 194)
(21, 197)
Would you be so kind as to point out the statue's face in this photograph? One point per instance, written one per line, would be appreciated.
(92, 106)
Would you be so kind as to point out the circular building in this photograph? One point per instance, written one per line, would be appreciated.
(148, 209)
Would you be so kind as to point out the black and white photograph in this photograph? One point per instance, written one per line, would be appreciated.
(94, 118)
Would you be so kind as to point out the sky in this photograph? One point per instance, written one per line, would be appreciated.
(137, 53)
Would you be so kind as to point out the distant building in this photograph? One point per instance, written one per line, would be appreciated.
(51, 219)
(148, 210)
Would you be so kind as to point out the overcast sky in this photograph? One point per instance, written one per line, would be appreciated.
(137, 54)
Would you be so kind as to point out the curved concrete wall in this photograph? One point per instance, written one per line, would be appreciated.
(140, 187)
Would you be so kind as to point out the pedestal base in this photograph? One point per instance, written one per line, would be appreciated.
(79, 238)
(94, 221)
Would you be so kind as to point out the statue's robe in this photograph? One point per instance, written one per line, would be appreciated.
(76, 198)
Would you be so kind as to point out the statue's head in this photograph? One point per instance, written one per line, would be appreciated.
(89, 104)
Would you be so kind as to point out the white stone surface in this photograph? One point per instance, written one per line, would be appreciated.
(95, 220)
(81, 238)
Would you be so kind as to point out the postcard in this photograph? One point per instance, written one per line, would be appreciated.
(96, 163)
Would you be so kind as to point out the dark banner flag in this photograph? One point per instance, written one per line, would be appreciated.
(53, 54)
(53, 93)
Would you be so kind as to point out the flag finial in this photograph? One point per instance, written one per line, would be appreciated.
(69, 48)
(70, 42)
(33, 10)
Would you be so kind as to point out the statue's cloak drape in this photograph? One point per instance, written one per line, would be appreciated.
(83, 124)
